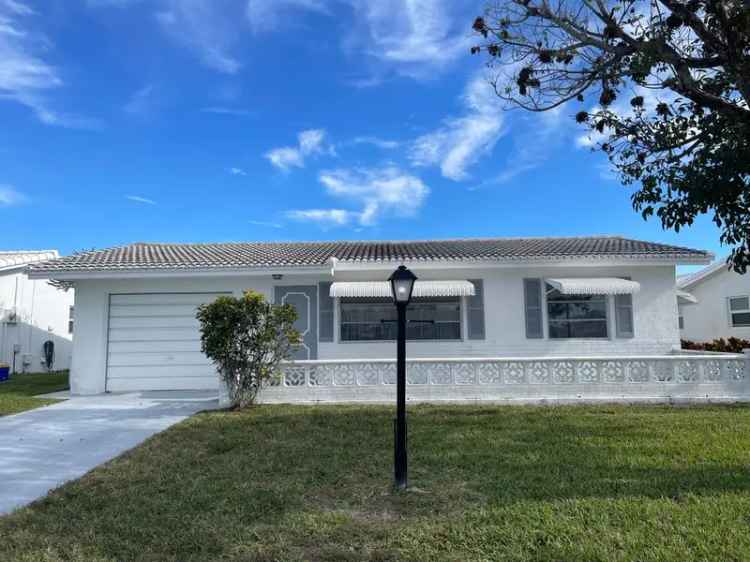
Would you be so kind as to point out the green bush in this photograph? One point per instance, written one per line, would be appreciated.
(732, 345)
(247, 338)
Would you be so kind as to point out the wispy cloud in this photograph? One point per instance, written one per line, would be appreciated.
(9, 196)
(220, 110)
(268, 15)
(237, 172)
(205, 27)
(461, 141)
(377, 142)
(266, 223)
(414, 38)
(309, 143)
(325, 218)
(25, 76)
(375, 193)
(143, 102)
(139, 199)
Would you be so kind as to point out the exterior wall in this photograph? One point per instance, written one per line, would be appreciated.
(708, 319)
(42, 314)
(654, 311)
(654, 307)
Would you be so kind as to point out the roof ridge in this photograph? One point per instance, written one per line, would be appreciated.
(402, 241)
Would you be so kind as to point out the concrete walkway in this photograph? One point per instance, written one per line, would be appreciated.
(43, 448)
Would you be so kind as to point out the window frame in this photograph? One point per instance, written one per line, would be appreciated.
(341, 301)
(608, 319)
(731, 312)
(71, 319)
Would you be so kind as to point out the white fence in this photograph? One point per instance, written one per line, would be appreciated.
(662, 378)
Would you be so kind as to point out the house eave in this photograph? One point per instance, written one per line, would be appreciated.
(342, 265)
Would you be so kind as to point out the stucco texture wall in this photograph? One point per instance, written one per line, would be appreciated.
(709, 318)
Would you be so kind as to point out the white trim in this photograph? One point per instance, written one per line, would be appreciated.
(688, 298)
(416, 265)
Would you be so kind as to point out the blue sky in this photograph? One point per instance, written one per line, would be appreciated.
(206, 120)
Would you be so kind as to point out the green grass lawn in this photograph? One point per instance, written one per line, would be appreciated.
(488, 483)
(18, 393)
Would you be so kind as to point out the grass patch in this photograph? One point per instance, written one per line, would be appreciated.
(488, 483)
(18, 393)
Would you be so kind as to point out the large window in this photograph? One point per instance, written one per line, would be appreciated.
(375, 319)
(739, 311)
(576, 316)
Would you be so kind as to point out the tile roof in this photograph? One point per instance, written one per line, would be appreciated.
(11, 259)
(148, 256)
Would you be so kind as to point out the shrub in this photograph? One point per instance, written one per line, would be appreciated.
(247, 338)
(732, 345)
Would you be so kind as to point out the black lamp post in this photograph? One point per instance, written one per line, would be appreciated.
(402, 285)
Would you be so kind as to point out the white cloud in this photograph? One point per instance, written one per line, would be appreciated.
(139, 199)
(309, 143)
(378, 192)
(237, 171)
(378, 142)
(220, 110)
(412, 38)
(143, 101)
(415, 37)
(205, 29)
(9, 196)
(268, 15)
(25, 77)
(463, 140)
(323, 217)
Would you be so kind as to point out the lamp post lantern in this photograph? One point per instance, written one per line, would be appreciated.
(402, 284)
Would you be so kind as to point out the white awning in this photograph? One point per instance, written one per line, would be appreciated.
(685, 297)
(383, 289)
(595, 286)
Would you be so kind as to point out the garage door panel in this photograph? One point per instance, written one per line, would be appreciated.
(160, 299)
(157, 359)
(155, 334)
(172, 382)
(164, 346)
(163, 372)
(141, 322)
(123, 310)
(154, 343)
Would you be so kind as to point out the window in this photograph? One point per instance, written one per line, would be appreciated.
(576, 316)
(70, 319)
(375, 319)
(681, 322)
(739, 311)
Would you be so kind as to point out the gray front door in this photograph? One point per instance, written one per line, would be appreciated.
(305, 301)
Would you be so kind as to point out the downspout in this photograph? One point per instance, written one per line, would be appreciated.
(333, 261)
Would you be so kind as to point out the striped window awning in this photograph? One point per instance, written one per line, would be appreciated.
(594, 286)
(383, 289)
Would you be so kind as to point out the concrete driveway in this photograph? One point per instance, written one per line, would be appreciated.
(43, 448)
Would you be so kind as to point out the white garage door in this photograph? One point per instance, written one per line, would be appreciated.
(154, 343)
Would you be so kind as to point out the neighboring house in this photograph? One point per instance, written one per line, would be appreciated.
(714, 303)
(601, 296)
(32, 312)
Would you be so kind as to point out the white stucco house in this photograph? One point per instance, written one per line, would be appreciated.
(32, 312)
(714, 303)
(504, 318)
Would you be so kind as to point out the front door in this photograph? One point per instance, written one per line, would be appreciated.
(304, 299)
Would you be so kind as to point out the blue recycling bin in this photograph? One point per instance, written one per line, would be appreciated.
(4, 372)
